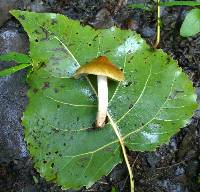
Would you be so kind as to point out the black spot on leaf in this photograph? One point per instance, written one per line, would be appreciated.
(58, 106)
(56, 90)
(95, 37)
(55, 130)
(45, 85)
(53, 21)
(52, 165)
(49, 153)
(35, 90)
(129, 83)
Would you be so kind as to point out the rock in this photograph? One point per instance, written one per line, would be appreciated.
(131, 24)
(179, 171)
(6, 6)
(102, 20)
(12, 101)
(193, 167)
(169, 186)
(148, 32)
(29, 188)
(38, 6)
(198, 94)
(153, 159)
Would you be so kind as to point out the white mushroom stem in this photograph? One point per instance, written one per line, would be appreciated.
(102, 100)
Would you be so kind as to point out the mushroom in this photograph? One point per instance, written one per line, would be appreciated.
(103, 68)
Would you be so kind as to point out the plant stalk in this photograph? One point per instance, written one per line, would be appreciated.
(158, 25)
(117, 132)
(102, 100)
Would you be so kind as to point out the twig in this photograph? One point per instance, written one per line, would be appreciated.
(175, 164)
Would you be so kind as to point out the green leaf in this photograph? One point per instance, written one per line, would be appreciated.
(14, 69)
(179, 3)
(191, 24)
(17, 57)
(149, 6)
(154, 101)
(114, 189)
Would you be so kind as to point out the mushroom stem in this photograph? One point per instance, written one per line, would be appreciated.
(102, 100)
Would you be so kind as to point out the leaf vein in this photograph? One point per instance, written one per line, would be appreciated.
(138, 99)
(140, 128)
(71, 104)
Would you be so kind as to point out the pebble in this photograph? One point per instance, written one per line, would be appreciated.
(6, 6)
(148, 32)
(102, 19)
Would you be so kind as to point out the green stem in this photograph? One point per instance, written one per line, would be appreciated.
(165, 4)
(140, 6)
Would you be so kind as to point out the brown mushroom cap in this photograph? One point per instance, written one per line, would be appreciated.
(101, 66)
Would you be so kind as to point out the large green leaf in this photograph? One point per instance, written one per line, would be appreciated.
(154, 101)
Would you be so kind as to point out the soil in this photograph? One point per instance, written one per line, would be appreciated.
(173, 167)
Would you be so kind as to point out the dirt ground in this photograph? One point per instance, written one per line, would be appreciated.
(171, 168)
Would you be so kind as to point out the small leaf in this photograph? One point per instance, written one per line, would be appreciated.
(191, 24)
(17, 57)
(154, 101)
(114, 189)
(14, 69)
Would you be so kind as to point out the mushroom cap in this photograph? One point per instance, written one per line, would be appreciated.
(101, 66)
